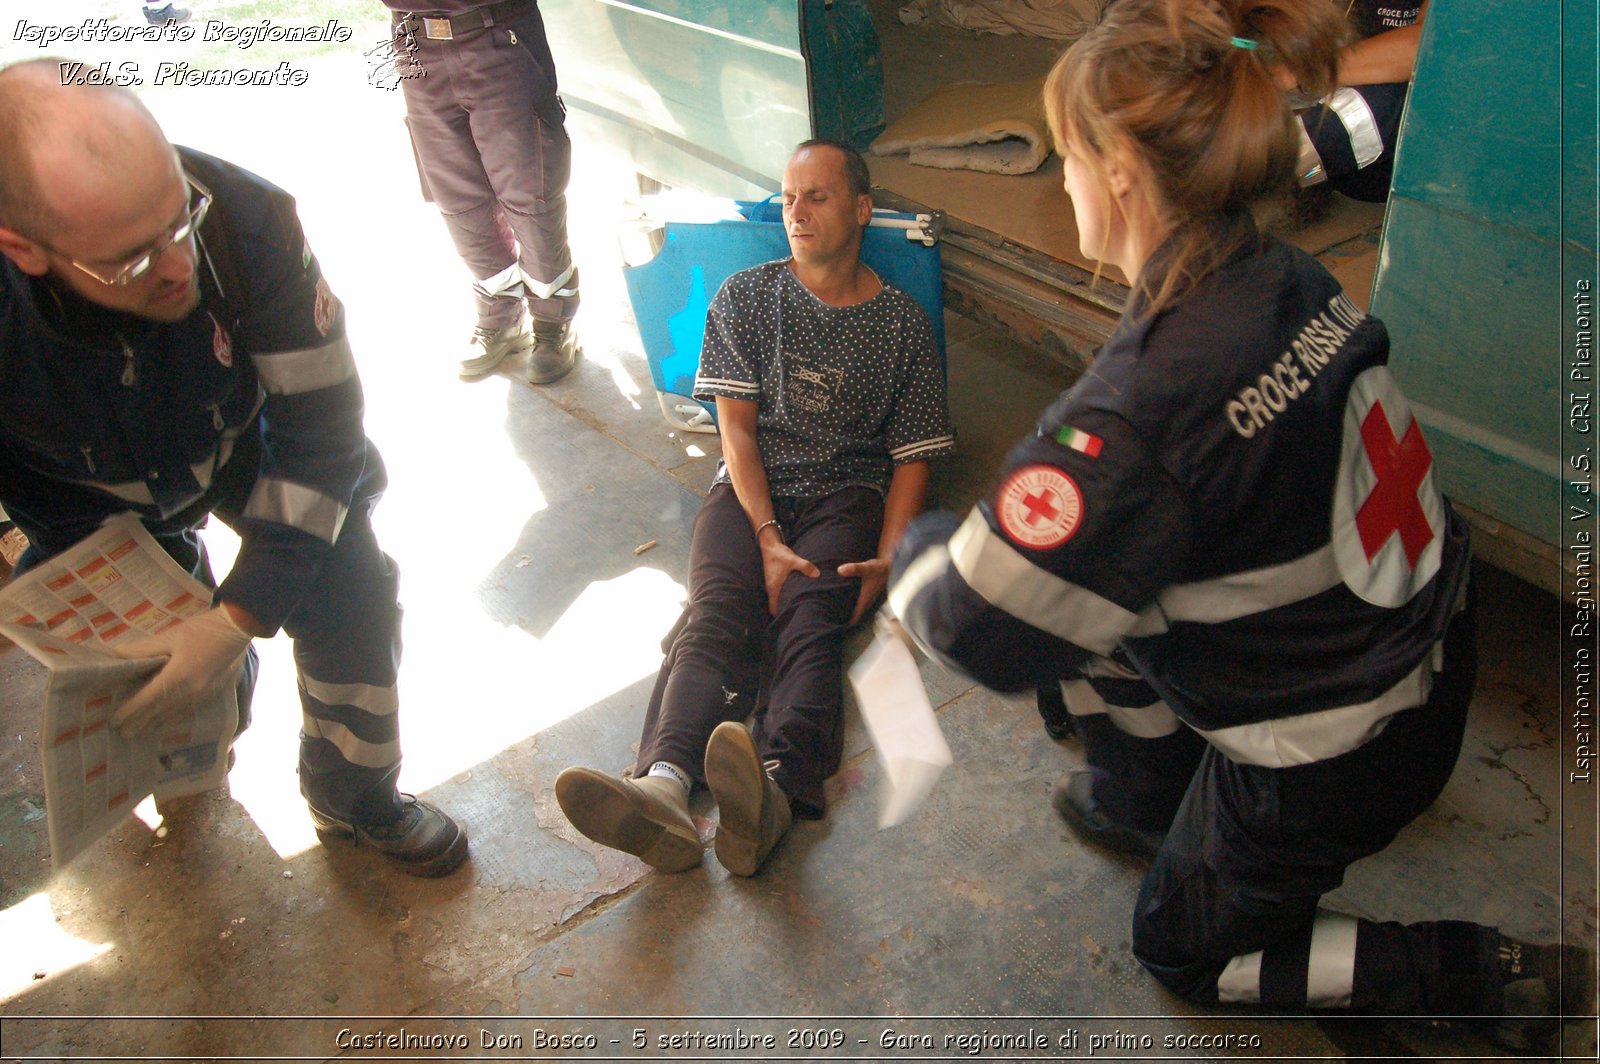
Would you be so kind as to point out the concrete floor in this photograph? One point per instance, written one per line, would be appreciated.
(533, 622)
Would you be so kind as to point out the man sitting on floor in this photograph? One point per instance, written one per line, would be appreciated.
(831, 399)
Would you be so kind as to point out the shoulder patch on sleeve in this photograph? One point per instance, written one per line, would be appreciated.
(1040, 507)
(326, 308)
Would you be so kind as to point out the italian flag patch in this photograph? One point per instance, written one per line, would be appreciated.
(1079, 440)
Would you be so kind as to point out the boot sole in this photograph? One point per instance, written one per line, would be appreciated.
(731, 764)
(606, 811)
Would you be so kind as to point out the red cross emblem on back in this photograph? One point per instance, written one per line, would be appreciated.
(1392, 507)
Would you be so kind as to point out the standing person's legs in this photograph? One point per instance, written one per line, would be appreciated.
(432, 80)
(346, 634)
(519, 125)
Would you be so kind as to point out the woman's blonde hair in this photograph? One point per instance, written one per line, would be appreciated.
(1189, 85)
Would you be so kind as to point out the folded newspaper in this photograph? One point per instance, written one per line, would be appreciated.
(68, 613)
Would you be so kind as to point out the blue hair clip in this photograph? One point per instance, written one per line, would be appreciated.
(1244, 42)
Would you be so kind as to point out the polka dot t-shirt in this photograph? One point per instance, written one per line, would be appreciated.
(845, 393)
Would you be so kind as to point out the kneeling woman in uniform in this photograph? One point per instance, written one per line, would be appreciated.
(1227, 543)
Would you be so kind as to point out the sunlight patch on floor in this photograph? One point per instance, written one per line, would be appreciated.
(31, 934)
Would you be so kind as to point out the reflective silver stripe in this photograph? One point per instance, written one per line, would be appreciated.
(507, 282)
(287, 503)
(935, 444)
(1331, 972)
(1309, 166)
(994, 569)
(355, 751)
(1240, 981)
(554, 288)
(1145, 722)
(379, 701)
(1300, 740)
(307, 370)
(1365, 140)
(1236, 595)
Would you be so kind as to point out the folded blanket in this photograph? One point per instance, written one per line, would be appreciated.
(1063, 20)
(995, 128)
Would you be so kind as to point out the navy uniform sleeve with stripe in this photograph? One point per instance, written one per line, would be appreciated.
(1014, 615)
(314, 448)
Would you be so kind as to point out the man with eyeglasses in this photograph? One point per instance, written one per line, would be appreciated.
(169, 346)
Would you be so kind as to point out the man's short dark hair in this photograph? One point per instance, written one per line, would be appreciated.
(855, 167)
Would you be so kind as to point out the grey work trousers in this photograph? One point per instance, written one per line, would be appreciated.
(491, 143)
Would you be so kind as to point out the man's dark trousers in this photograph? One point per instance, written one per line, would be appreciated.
(728, 654)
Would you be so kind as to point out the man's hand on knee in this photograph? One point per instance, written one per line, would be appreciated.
(778, 563)
(874, 576)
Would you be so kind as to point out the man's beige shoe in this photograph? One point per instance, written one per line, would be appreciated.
(753, 810)
(647, 817)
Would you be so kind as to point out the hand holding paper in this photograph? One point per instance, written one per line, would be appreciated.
(902, 725)
(203, 655)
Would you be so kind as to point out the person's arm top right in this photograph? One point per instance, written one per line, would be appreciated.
(1384, 58)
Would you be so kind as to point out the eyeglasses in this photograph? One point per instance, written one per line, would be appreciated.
(136, 267)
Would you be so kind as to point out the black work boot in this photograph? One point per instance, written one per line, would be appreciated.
(1542, 985)
(1073, 798)
(419, 838)
(555, 351)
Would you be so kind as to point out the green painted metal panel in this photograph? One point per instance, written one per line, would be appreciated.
(1482, 131)
(1490, 219)
(1580, 123)
(715, 95)
(699, 94)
